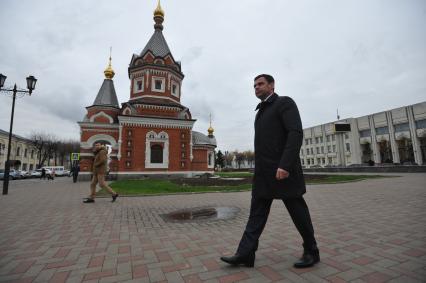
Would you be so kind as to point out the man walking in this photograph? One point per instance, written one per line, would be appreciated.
(99, 172)
(278, 174)
(75, 171)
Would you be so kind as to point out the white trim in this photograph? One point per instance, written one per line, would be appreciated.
(120, 140)
(127, 109)
(152, 137)
(135, 84)
(92, 139)
(163, 84)
(155, 122)
(98, 125)
(209, 152)
(154, 96)
(98, 130)
(177, 94)
(102, 113)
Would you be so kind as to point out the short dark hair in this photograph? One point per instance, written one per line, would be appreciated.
(268, 78)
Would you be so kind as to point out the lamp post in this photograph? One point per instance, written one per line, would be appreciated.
(31, 82)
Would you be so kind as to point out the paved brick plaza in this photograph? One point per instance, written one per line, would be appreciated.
(369, 231)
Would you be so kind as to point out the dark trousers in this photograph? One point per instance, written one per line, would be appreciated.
(259, 212)
(74, 177)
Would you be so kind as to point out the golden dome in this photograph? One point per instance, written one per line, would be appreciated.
(210, 130)
(158, 12)
(109, 72)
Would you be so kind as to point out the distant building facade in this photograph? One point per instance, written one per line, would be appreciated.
(23, 156)
(151, 133)
(396, 136)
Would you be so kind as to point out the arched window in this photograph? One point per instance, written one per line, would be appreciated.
(156, 153)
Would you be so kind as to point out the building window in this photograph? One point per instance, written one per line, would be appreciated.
(129, 143)
(348, 147)
(334, 148)
(175, 89)
(307, 151)
(318, 160)
(421, 124)
(182, 135)
(156, 154)
(316, 140)
(322, 149)
(128, 164)
(158, 84)
(308, 161)
(303, 162)
(333, 137)
(328, 138)
(182, 164)
(32, 153)
(183, 154)
(129, 133)
(31, 167)
(321, 139)
(365, 133)
(306, 141)
(330, 160)
(138, 86)
(382, 131)
(18, 151)
(346, 136)
(323, 161)
(25, 152)
(402, 127)
(183, 145)
(301, 151)
(329, 149)
(318, 150)
(129, 153)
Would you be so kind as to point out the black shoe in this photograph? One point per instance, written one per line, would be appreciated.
(88, 200)
(309, 258)
(237, 259)
(114, 197)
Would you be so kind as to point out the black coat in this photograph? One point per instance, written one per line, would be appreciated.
(277, 141)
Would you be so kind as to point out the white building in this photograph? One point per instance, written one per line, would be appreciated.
(23, 156)
(396, 136)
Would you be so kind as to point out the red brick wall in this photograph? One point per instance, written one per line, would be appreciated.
(137, 149)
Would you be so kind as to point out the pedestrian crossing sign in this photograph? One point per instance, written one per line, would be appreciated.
(75, 156)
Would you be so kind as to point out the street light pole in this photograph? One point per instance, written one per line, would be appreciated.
(31, 82)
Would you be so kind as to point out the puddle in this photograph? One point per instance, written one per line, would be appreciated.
(201, 214)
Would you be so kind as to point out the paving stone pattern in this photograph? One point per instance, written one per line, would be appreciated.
(368, 231)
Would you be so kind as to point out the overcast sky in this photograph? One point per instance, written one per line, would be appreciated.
(360, 56)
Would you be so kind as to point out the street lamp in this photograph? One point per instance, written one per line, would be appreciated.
(31, 82)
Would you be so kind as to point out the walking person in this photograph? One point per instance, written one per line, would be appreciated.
(43, 174)
(75, 171)
(99, 171)
(278, 174)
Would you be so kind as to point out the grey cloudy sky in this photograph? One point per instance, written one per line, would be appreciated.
(360, 56)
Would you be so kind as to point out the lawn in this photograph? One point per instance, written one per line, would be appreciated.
(157, 186)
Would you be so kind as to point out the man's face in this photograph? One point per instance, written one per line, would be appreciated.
(262, 87)
(97, 146)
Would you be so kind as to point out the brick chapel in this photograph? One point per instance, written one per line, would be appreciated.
(151, 133)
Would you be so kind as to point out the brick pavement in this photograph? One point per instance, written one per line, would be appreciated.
(368, 231)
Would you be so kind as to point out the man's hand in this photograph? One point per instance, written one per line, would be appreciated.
(281, 174)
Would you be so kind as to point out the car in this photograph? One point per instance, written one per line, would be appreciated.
(13, 174)
(36, 173)
(23, 174)
(67, 173)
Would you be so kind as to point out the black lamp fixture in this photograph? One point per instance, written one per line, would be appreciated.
(31, 83)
